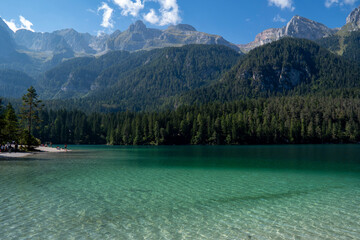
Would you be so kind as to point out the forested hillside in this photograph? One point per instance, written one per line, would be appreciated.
(14, 83)
(346, 45)
(279, 120)
(138, 81)
(286, 67)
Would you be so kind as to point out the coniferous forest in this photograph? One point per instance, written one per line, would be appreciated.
(278, 120)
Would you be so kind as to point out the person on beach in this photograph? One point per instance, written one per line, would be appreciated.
(65, 147)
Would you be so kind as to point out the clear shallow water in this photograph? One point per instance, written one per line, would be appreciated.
(256, 192)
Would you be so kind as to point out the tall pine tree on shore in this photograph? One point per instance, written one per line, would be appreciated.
(29, 113)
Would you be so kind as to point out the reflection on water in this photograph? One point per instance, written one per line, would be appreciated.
(257, 192)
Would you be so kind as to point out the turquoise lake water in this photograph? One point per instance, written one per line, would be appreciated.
(247, 192)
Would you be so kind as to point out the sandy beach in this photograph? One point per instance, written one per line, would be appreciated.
(26, 154)
(50, 149)
(15, 155)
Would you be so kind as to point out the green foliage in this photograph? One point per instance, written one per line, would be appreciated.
(14, 83)
(140, 80)
(276, 120)
(29, 140)
(332, 43)
(29, 111)
(286, 67)
(12, 128)
(352, 43)
(346, 45)
(2, 123)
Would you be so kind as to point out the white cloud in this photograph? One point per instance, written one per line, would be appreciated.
(278, 18)
(11, 24)
(329, 3)
(108, 11)
(168, 13)
(152, 17)
(129, 7)
(25, 24)
(283, 4)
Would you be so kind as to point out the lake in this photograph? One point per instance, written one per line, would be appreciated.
(183, 192)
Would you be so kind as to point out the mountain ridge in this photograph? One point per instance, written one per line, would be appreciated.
(297, 27)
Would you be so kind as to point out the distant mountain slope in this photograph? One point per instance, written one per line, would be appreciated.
(75, 77)
(287, 66)
(164, 74)
(7, 44)
(352, 21)
(139, 37)
(136, 37)
(138, 79)
(347, 45)
(13, 84)
(297, 27)
(346, 42)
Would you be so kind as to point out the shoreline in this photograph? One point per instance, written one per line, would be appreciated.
(27, 154)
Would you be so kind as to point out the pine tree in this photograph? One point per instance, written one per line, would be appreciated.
(2, 123)
(11, 124)
(29, 116)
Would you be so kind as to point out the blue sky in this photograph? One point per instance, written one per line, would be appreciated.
(237, 21)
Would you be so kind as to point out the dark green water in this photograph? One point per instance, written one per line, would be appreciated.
(257, 192)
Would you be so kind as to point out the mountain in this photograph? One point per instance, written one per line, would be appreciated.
(7, 44)
(10, 57)
(346, 45)
(138, 80)
(346, 42)
(353, 21)
(74, 78)
(13, 84)
(139, 37)
(297, 27)
(78, 42)
(136, 37)
(287, 66)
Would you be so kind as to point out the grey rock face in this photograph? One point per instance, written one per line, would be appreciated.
(78, 42)
(139, 37)
(300, 27)
(297, 27)
(7, 44)
(56, 41)
(5, 27)
(40, 42)
(136, 37)
(353, 20)
(278, 80)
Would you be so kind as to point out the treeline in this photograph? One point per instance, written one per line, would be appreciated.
(9, 124)
(17, 128)
(278, 120)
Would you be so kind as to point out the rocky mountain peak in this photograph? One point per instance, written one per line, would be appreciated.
(7, 44)
(66, 31)
(182, 28)
(354, 18)
(138, 26)
(301, 27)
(297, 27)
(5, 27)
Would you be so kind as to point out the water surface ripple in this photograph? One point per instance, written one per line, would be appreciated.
(262, 192)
